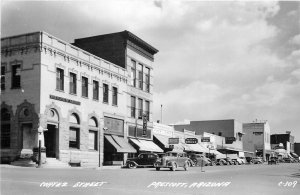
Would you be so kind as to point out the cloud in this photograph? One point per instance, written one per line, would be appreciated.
(295, 40)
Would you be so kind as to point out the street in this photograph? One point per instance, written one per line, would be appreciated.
(244, 179)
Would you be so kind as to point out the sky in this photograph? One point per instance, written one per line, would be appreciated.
(217, 59)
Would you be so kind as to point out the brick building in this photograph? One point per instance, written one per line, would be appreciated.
(80, 100)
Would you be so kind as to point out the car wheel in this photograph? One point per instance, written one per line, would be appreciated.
(195, 162)
(157, 168)
(173, 168)
(186, 166)
(132, 165)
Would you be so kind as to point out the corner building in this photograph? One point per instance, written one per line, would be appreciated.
(79, 100)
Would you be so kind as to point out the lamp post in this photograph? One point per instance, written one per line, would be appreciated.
(161, 113)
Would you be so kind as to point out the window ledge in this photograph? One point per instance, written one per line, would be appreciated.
(85, 97)
(60, 90)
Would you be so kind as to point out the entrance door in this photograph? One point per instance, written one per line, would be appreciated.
(50, 142)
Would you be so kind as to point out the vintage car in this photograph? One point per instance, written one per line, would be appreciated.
(238, 161)
(173, 160)
(143, 160)
(229, 161)
(221, 161)
(199, 158)
(257, 160)
(273, 160)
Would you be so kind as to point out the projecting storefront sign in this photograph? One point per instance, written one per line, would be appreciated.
(144, 125)
(205, 139)
(174, 140)
(191, 140)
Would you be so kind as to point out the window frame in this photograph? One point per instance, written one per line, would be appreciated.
(114, 96)
(105, 93)
(84, 87)
(95, 148)
(133, 107)
(95, 90)
(73, 83)
(15, 79)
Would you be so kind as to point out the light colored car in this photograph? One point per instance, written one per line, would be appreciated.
(257, 160)
(238, 161)
(243, 159)
(173, 160)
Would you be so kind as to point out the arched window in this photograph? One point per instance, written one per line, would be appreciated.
(74, 131)
(5, 128)
(93, 134)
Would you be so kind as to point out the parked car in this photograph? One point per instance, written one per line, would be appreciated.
(243, 159)
(229, 161)
(257, 160)
(273, 160)
(287, 160)
(238, 161)
(143, 160)
(199, 158)
(173, 160)
(221, 161)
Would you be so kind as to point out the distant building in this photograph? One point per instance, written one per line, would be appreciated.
(257, 138)
(228, 129)
(297, 148)
(286, 139)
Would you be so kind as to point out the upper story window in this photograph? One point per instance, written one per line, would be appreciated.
(84, 86)
(5, 128)
(140, 76)
(132, 107)
(59, 79)
(16, 76)
(95, 90)
(105, 93)
(140, 109)
(2, 77)
(147, 109)
(73, 85)
(115, 96)
(147, 79)
(133, 73)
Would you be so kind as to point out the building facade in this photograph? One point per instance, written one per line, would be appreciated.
(225, 129)
(80, 100)
(257, 138)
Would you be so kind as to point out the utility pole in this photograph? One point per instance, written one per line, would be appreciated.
(161, 113)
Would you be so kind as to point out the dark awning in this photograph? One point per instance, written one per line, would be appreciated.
(120, 144)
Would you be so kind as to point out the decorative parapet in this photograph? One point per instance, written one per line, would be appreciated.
(43, 41)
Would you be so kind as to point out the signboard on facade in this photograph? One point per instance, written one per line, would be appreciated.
(205, 139)
(114, 125)
(173, 140)
(229, 140)
(191, 140)
(145, 125)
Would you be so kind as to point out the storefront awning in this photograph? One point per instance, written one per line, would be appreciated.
(146, 145)
(224, 148)
(163, 139)
(120, 144)
(195, 148)
(294, 155)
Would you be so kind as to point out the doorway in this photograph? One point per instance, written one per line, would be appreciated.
(50, 141)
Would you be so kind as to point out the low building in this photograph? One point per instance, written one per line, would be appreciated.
(285, 141)
(231, 130)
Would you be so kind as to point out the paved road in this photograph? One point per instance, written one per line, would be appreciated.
(247, 179)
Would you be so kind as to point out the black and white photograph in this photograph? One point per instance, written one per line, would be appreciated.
(150, 97)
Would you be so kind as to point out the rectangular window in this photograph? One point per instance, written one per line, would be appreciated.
(74, 137)
(2, 77)
(147, 109)
(105, 93)
(140, 76)
(5, 135)
(140, 109)
(84, 87)
(133, 73)
(93, 140)
(115, 96)
(132, 107)
(147, 79)
(95, 90)
(73, 81)
(16, 76)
